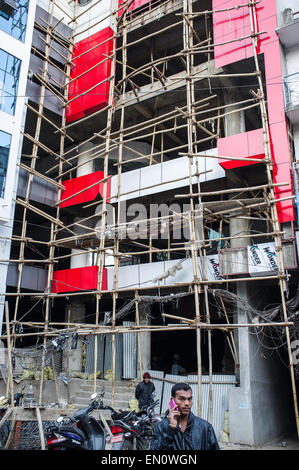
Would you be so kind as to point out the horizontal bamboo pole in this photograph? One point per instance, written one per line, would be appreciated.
(49, 121)
(167, 328)
(229, 191)
(40, 175)
(145, 288)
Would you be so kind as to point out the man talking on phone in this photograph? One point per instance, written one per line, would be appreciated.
(181, 429)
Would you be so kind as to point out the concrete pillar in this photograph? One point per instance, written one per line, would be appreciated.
(145, 338)
(85, 151)
(72, 358)
(241, 422)
(233, 123)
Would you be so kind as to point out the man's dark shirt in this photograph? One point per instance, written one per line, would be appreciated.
(199, 435)
(143, 393)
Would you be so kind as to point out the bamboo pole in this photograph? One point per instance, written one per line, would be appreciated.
(10, 385)
(274, 215)
(138, 334)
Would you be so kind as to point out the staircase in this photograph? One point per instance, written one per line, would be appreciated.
(124, 392)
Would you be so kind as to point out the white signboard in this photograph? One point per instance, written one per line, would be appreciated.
(262, 259)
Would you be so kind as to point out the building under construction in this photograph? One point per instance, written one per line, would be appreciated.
(148, 204)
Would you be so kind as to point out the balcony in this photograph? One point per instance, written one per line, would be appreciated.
(291, 96)
(288, 33)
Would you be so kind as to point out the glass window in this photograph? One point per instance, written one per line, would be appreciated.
(9, 81)
(13, 17)
(5, 140)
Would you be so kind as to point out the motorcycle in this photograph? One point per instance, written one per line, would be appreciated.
(135, 430)
(80, 432)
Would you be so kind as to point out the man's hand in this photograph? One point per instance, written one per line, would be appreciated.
(173, 416)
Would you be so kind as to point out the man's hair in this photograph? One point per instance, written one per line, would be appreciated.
(180, 386)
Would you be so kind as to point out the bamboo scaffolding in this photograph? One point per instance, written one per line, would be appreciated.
(273, 208)
(36, 144)
(118, 139)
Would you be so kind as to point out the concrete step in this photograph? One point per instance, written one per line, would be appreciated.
(118, 404)
(118, 394)
(85, 386)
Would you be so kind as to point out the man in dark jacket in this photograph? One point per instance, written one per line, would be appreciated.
(144, 391)
(181, 429)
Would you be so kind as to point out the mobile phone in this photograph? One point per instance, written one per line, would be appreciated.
(172, 404)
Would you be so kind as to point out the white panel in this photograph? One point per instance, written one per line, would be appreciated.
(149, 271)
(174, 169)
(149, 176)
(130, 181)
(183, 275)
(206, 164)
(110, 278)
(128, 276)
(90, 20)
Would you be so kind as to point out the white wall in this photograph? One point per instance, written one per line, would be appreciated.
(282, 5)
(13, 125)
(95, 19)
(162, 174)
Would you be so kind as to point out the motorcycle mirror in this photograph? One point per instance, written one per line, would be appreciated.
(60, 419)
(94, 396)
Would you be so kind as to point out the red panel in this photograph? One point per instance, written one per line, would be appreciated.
(247, 144)
(59, 281)
(73, 280)
(98, 96)
(282, 172)
(75, 185)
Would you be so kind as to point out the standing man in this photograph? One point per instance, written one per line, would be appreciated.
(181, 429)
(144, 391)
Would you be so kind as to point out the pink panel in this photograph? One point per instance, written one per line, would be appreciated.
(232, 24)
(247, 144)
(134, 5)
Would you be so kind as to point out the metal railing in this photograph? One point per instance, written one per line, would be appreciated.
(291, 89)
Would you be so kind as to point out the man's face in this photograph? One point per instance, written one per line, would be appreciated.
(146, 380)
(183, 400)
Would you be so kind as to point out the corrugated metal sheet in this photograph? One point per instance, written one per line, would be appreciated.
(159, 385)
(104, 359)
(129, 353)
(219, 393)
(89, 363)
(118, 355)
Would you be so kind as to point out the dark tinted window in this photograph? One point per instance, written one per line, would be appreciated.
(13, 17)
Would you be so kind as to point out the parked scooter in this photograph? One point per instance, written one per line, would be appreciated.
(80, 432)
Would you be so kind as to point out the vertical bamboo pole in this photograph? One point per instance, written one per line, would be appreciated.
(138, 334)
(54, 226)
(9, 357)
(187, 37)
(33, 161)
(274, 214)
(101, 249)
